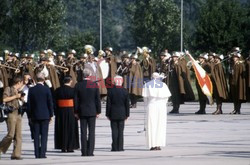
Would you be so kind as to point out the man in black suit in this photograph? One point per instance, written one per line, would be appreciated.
(40, 107)
(87, 108)
(117, 111)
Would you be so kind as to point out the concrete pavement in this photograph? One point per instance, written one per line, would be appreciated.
(191, 139)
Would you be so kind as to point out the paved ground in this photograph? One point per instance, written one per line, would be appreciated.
(191, 139)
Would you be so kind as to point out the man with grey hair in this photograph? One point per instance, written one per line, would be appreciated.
(117, 111)
(87, 105)
(40, 108)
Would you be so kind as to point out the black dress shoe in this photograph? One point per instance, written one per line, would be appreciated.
(63, 150)
(200, 112)
(133, 106)
(43, 157)
(70, 150)
(234, 112)
(153, 148)
(158, 148)
(174, 111)
(217, 112)
(16, 158)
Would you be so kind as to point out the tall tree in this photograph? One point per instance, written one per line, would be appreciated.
(83, 18)
(33, 25)
(220, 26)
(156, 24)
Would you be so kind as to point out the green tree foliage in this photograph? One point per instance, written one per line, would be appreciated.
(156, 24)
(247, 30)
(83, 18)
(220, 26)
(190, 15)
(30, 25)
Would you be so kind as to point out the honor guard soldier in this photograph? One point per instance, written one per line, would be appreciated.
(179, 84)
(148, 64)
(238, 82)
(80, 66)
(220, 90)
(202, 97)
(3, 79)
(111, 59)
(135, 81)
(124, 70)
(248, 76)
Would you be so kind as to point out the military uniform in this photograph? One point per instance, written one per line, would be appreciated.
(220, 89)
(202, 97)
(238, 85)
(179, 84)
(135, 82)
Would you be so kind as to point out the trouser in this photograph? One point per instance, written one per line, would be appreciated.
(202, 99)
(202, 105)
(219, 103)
(14, 126)
(41, 128)
(117, 128)
(237, 106)
(88, 144)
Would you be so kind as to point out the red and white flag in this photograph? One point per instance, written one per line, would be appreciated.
(203, 79)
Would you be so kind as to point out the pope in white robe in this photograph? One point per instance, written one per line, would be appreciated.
(156, 94)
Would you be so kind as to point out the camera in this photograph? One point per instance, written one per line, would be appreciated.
(30, 82)
(4, 111)
(22, 93)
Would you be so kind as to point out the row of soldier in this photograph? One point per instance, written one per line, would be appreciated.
(136, 69)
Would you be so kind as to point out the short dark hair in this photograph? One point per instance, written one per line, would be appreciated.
(67, 79)
(16, 80)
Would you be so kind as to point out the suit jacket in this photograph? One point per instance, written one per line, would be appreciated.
(87, 99)
(40, 103)
(117, 107)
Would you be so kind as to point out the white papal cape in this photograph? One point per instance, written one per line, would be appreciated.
(156, 94)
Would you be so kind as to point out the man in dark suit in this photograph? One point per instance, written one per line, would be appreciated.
(87, 108)
(40, 107)
(117, 111)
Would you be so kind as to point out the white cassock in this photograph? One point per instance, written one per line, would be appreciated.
(156, 94)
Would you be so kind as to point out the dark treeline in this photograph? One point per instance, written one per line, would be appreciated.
(209, 25)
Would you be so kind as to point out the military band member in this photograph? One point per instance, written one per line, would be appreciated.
(3, 79)
(30, 64)
(163, 66)
(60, 61)
(14, 63)
(111, 59)
(80, 66)
(101, 54)
(124, 70)
(135, 81)
(248, 77)
(220, 90)
(49, 71)
(42, 54)
(51, 56)
(71, 57)
(70, 62)
(148, 64)
(238, 83)
(96, 74)
(202, 97)
(179, 84)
